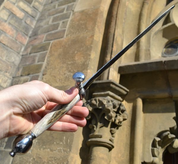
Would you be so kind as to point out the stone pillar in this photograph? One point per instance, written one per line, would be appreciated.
(106, 116)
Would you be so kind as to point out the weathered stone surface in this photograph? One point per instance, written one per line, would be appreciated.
(13, 58)
(4, 14)
(75, 51)
(49, 28)
(14, 9)
(55, 35)
(65, 2)
(83, 4)
(38, 6)
(3, 51)
(27, 60)
(64, 24)
(9, 42)
(61, 17)
(20, 80)
(36, 40)
(7, 29)
(30, 21)
(5, 81)
(4, 157)
(31, 69)
(22, 38)
(40, 48)
(86, 22)
(26, 29)
(55, 148)
(56, 11)
(42, 56)
(29, 1)
(31, 11)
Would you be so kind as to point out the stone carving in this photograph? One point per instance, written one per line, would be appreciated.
(106, 115)
(164, 140)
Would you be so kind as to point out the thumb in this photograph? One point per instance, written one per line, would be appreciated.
(62, 97)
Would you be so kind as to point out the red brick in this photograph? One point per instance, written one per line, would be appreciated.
(9, 42)
(27, 8)
(36, 40)
(30, 21)
(14, 9)
(7, 29)
(21, 38)
(20, 25)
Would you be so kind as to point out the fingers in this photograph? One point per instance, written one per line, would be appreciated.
(78, 111)
(64, 127)
(59, 96)
(68, 123)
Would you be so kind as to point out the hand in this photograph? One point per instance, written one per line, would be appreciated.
(22, 106)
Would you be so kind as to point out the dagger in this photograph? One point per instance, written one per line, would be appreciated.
(24, 142)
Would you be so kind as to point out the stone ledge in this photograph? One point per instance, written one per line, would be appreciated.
(150, 66)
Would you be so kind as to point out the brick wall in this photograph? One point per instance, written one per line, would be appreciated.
(27, 29)
(51, 25)
(17, 20)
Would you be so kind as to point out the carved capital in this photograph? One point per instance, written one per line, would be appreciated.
(106, 115)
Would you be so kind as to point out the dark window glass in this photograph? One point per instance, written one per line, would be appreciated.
(170, 49)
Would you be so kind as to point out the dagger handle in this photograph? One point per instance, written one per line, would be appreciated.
(58, 111)
(23, 143)
(50, 118)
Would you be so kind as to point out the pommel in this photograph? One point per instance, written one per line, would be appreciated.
(79, 77)
(22, 144)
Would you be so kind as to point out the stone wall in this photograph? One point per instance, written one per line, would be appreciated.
(27, 29)
(17, 20)
(65, 36)
(51, 25)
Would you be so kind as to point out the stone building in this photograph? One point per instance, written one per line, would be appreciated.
(133, 105)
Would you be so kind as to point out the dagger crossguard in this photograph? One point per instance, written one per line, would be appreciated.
(79, 77)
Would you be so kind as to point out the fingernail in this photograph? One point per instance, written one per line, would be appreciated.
(72, 90)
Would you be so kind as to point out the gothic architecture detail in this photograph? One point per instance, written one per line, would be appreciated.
(106, 115)
(164, 141)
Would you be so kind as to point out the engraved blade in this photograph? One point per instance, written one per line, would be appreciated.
(117, 56)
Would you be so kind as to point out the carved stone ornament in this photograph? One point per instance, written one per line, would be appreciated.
(164, 140)
(106, 115)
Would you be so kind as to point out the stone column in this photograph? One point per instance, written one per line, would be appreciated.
(106, 116)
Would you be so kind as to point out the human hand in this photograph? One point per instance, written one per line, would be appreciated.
(22, 106)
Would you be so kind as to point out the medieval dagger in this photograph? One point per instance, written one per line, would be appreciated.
(24, 142)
